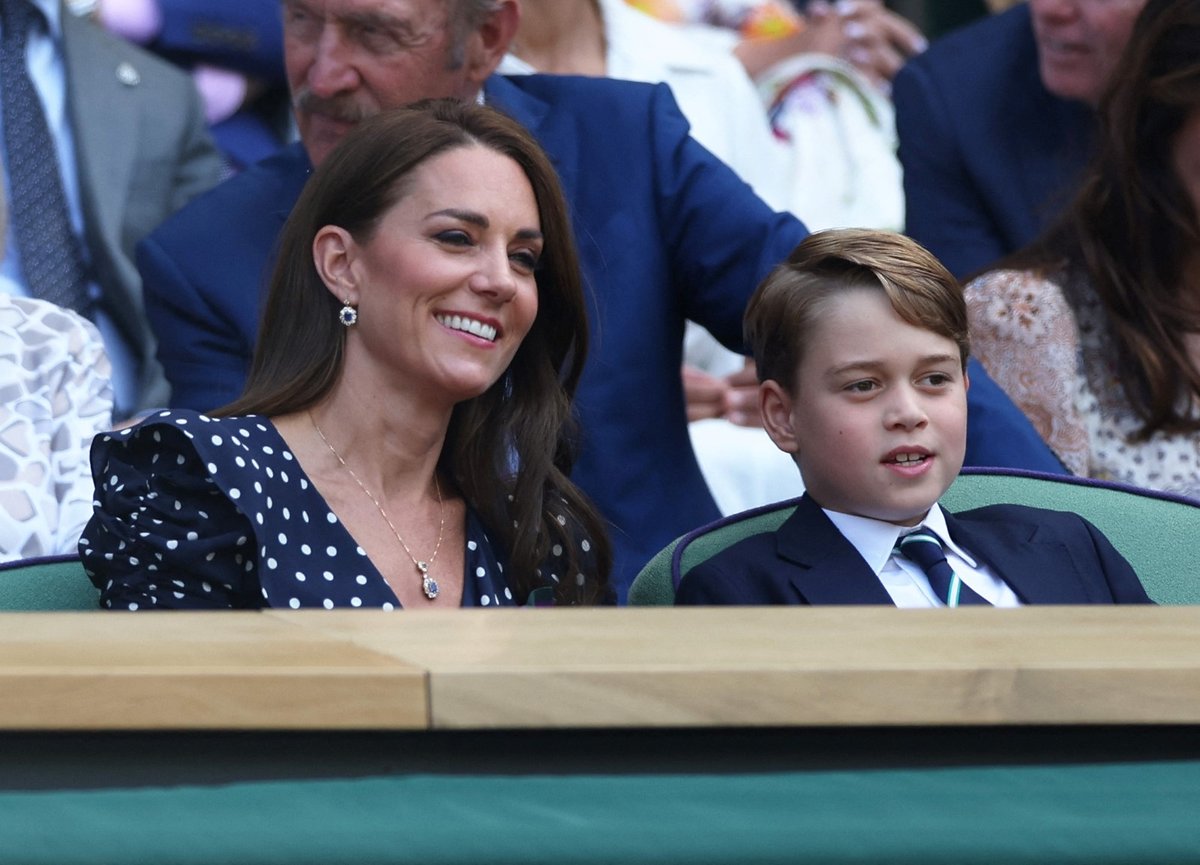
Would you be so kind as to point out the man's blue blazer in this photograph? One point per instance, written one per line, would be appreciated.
(665, 231)
(1046, 557)
(990, 156)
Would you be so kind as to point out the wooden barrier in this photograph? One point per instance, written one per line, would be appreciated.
(619, 668)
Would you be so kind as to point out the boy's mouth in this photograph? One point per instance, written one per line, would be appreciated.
(907, 457)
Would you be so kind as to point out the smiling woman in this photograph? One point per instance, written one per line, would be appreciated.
(402, 439)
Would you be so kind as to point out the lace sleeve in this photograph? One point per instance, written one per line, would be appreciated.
(82, 408)
(163, 535)
(1024, 333)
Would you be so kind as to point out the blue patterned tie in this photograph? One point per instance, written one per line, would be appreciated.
(51, 258)
(925, 549)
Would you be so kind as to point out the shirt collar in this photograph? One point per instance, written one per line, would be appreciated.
(53, 12)
(875, 539)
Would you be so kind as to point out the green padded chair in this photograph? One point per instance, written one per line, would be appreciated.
(1158, 533)
(49, 583)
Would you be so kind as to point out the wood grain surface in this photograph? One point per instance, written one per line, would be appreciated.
(650, 667)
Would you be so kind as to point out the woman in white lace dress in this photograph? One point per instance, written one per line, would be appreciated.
(1095, 330)
(55, 395)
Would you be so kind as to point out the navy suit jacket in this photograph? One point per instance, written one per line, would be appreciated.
(1046, 557)
(665, 232)
(990, 156)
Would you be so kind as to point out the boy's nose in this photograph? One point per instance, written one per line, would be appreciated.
(905, 410)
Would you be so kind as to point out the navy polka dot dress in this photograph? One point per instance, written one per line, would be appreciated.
(198, 512)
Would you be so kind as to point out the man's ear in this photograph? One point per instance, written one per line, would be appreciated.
(333, 256)
(486, 47)
(776, 405)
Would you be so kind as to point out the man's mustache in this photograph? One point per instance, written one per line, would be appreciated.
(341, 108)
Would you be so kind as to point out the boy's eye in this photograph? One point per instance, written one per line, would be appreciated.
(865, 386)
(938, 379)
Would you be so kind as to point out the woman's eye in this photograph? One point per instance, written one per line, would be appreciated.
(525, 260)
(454, 238)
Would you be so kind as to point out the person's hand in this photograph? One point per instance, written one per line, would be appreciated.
(704, 394)
(734, 398)
(741, 397)
(871, 37)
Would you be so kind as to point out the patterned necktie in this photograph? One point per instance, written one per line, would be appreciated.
(51, 259)
(924, 548)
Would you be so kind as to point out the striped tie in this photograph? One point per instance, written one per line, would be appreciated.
(924, 548)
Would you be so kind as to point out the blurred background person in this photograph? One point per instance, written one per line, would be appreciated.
(864, 33)
(101, 143)
(55, 395)
(996, 121)
(1094, 329)
(234, 52)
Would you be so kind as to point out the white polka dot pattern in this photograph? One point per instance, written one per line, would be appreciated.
(214, 528)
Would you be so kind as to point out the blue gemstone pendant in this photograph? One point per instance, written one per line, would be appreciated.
(428, 584)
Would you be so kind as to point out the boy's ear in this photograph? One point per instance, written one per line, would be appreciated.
(776, 406)
(333, 258)
(966, 380)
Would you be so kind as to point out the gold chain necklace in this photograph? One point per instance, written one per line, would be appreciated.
(428, 584)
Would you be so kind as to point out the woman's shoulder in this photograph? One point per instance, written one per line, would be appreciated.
(1008, 282)
(197, 431)
(175, 440)
(1024, 305)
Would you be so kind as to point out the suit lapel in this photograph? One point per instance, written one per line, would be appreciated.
(1037, 567)
(104, 122)
(828, 569)
(561, 145)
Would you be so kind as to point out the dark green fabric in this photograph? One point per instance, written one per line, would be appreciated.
(652, 587)
(1095, 814)
(59, 584)
(654, 584)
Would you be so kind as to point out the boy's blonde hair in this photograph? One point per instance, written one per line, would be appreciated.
(783, 311)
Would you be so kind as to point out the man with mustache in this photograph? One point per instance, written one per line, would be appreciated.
(666, 232)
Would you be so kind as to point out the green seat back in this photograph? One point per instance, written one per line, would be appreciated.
(655, 583)
(1158, 533)
(53, 583)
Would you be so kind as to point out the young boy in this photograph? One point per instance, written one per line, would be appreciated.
(861, 344)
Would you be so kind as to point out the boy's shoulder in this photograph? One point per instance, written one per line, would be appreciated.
(1018, 515)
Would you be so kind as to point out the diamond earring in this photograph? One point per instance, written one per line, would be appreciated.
(347, 315)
